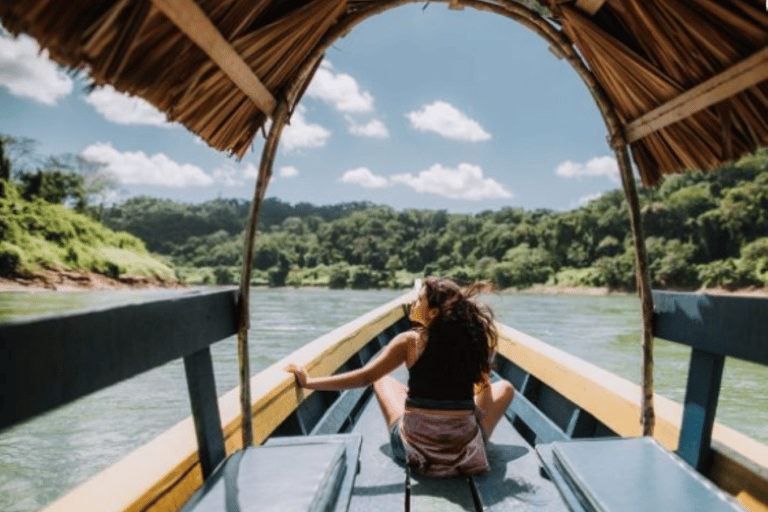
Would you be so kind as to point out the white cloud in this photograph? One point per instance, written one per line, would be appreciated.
(446, 120)
(124, 109)
(228, 176)
(250, 172)
(28, 73)
(599, 166)
(373, 128)
(364, 177)
(288, 171)
(231, 175)
(301, 134)
(137, 168)
(464, 182)
(339, 90)
(587, 198)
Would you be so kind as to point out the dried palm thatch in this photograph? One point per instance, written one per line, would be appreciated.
(646, 53)
(219, 66)
(135, 47)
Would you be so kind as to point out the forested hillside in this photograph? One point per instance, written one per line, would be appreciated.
(38, 236)
(48, 234)
(702, 230)
(143, 215)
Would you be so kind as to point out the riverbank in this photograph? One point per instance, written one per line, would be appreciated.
(600, 291)
(72, 280)
(543, 289)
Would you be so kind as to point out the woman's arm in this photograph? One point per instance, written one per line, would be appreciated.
(393, 356)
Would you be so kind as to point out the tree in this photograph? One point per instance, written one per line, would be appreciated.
(362, 278)
(726, 273)
(99, 185)
(616, 272)
(5, 162)
(670, 263)
(754, 260)
(20, 152)
(523, 266)
(484, 266)
(269, 253)
(54, 185)
(338, 276)
(609, 246)
(223, 275)
(277, 275)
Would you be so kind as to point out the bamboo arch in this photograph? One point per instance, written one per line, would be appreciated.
(563, 48)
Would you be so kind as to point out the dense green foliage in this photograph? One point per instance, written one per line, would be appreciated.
(184, 223)
(43, 225)
(702, 230)
(39, 234)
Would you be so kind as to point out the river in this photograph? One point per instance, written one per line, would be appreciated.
(45, 457)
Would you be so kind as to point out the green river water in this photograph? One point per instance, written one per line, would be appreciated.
(43, 458)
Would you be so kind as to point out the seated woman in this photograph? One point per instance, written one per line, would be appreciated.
(437, 424)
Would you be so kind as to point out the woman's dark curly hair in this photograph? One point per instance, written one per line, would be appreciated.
(463, 331)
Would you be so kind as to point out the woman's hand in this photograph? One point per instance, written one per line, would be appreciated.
(300, 374)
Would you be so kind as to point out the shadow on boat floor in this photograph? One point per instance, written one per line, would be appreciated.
(514, 482)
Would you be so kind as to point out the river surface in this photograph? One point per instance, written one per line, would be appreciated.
(45, 457)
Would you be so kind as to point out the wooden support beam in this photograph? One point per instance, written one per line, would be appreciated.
(747, 73)
(590, 6)
(191, 20)
(704, 376)
(201, 384)
(546, 430)
(642, 276)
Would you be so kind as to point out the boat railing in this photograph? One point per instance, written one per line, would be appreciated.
(715, 327)
(561, 397)
(52, 360)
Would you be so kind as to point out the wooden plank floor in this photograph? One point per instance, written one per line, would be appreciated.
(514, 482)
(380, 485)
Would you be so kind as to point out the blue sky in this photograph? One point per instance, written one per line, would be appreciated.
(415, 108)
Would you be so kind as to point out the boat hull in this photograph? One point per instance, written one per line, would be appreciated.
(561, 396)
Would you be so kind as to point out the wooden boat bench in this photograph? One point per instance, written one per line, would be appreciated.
(303, 473)
(639, 474)
(629, 475)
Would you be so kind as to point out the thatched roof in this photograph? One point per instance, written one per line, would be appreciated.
(684, 82)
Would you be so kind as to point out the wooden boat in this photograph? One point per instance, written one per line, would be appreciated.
(559, 398)
(680, 84)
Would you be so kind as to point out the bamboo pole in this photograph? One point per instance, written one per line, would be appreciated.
(265, 173)
(647, 414)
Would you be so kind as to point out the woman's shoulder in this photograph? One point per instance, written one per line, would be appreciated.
(409, 336)
(411, 340)
(414, 343)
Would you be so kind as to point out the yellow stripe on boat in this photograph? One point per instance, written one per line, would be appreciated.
(615, 402)
(164, 473)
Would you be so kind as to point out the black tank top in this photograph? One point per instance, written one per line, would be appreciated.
(432, 385)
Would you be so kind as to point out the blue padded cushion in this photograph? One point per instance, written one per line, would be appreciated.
(279, 478)
(630, 475)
